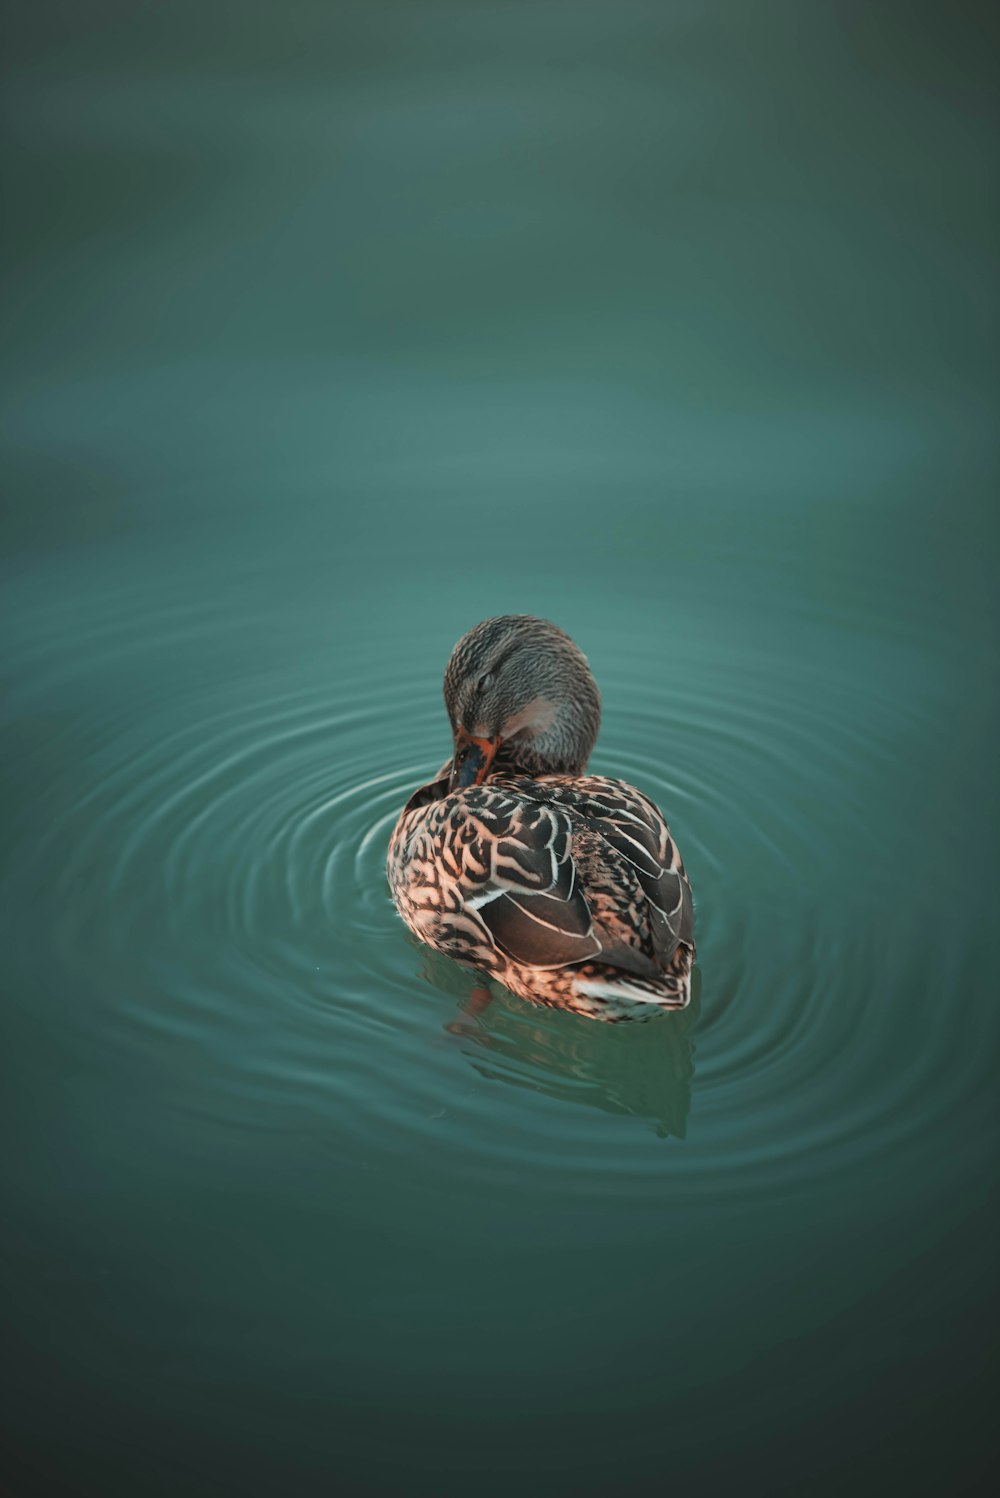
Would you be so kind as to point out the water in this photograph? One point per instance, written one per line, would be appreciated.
(331, 331)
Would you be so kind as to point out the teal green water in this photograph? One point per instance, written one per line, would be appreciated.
(331, 330)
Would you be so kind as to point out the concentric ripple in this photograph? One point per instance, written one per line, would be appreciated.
(212, 855)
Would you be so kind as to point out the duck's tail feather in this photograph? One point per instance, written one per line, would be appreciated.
(667, 990)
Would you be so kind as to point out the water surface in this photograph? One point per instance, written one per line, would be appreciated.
(330, 332)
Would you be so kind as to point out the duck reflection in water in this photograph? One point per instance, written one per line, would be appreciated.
(644, 1071)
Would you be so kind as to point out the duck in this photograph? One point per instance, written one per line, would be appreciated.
(565, 888)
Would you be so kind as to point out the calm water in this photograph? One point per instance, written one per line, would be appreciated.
(331, 331)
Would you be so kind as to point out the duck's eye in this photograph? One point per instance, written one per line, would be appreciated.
(484, 682)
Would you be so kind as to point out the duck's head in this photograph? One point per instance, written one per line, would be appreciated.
(520, 683)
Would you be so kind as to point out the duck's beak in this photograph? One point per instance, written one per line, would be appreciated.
(473, 757)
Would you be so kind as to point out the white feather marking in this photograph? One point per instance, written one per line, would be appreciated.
(478, 901)
(540, 920)
(597, 990)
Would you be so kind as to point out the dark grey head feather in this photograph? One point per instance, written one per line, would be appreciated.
(524, 675)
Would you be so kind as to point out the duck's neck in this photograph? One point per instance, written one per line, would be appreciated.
(562, 742)
(521, 758)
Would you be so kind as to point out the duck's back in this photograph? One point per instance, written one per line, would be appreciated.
(567, 889)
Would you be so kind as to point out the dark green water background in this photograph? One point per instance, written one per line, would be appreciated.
(328, 331)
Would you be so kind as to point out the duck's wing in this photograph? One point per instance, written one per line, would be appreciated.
(531, 901)
(634, 828)
(564, 874)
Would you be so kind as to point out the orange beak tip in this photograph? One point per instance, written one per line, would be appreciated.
(472, 760)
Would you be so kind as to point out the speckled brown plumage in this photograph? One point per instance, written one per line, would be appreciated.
(567, 888)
